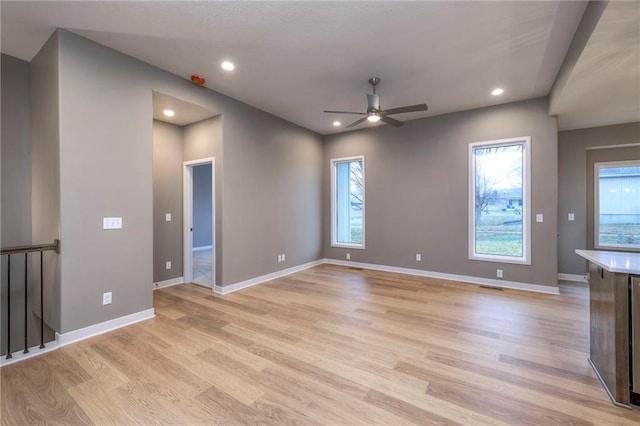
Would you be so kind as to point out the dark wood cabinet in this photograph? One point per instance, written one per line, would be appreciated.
(609, 324)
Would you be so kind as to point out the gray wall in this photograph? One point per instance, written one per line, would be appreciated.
(271, 196)
(271, 182)
(572, 192)
(15, 211)
(416, 190)
(202, 206)
(171, 146)
(167, 198)
(204, 140)
(45, 170)
(15, 228)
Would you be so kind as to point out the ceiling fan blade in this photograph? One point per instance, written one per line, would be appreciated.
(346, 112)
(373, 101)
(355, 123)
(411, 108)
(391, 121)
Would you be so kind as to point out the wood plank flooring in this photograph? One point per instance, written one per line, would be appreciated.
(328, 346)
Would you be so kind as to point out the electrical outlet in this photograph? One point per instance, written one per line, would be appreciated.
(106, 298)
(348, 256)
(167, 265)
(418, 257)
(499, 273)
(571, 217)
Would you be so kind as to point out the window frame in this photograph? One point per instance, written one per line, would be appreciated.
(525, 259)
(334, 203)
(596, 204)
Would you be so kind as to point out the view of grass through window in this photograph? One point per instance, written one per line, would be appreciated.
(618, 198)
(498, 196)
(349, 202)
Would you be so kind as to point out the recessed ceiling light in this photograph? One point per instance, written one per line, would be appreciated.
(227, 66)
(497, 92)
(336, 123)
(169, 112)
(373, 118)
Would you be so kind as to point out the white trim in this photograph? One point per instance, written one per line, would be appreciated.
(103, 327)
(334, 215)
(573, 277)
(65, 339)
(168, 283)
(264, 278)
(596, 204)
(202, 248)
(187, 207)
(537, 288)
(621, 145)
(525, 141)
(33, 352)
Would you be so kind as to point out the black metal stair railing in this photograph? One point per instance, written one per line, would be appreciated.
(9, 251)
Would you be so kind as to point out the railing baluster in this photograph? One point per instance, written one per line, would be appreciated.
(26, 284)
(9, 251)
(41, 303)
(9, 356)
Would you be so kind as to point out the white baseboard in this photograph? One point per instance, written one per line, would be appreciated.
(573, 277)
(268, 277)
(34, 351)
(103, 327)
(202, 248)
(538, 288)
(168, 283)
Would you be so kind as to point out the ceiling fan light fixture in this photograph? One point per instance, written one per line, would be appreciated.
(373, 118)
(227, 66)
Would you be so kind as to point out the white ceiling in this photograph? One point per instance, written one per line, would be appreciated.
(185, 112)
(296, 59)
(604, 84)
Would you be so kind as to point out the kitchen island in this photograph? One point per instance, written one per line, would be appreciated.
(609, 317)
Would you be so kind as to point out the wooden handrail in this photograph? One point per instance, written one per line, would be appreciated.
(28, 249)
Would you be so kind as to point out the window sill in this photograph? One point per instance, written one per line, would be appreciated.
(349, 246)
(500, 259)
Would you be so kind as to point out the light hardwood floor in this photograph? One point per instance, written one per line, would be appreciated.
(329, 345)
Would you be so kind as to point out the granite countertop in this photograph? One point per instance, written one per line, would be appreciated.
(613, 261)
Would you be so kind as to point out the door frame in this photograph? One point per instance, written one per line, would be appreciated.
(187, 206)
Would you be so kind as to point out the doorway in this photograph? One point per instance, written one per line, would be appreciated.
(199, 222)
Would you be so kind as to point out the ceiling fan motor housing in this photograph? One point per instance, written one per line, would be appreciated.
(375, 112)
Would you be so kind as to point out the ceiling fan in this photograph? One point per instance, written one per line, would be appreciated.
(374, 113)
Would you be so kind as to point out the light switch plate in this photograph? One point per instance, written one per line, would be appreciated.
(539, 217)
(112, 223)
(571, 217)
(418, 257)
(167, 217)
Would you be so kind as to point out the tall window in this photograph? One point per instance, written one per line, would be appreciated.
(347, 202)
(499, 200)
(617, 205)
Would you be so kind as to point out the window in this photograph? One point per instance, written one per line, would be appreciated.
(617, 205)
(499, 201)
(347, 202)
